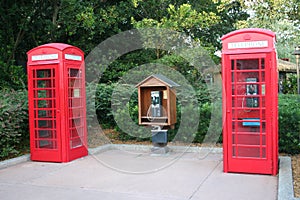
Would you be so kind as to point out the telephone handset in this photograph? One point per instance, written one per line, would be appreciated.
(251, 89)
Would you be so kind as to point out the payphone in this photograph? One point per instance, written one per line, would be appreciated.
(251, 92)
(155, 109)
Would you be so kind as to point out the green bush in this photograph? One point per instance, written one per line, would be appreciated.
(14, 134)
(103, 104)
(289, 123)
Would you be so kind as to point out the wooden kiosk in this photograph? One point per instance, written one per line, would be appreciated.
(157, 105)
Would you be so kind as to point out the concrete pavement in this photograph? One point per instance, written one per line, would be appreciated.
(125, 174)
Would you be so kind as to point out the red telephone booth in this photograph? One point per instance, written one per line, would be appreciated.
(250, 102)
(56, 98)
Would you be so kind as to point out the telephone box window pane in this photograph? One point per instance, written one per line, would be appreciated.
(262, 76)
(75, 122)
(238, 102)
(41, 94)
(262, 63)
(75, 113)
(45, 73)
(75, 92)
(235, 126)
(249, 64)
(44, 84)
(45, 124)
(75, 102)
(46, 113)
(74, 73)
(249, 139)
(43, 114)
(245, 77)
(232, 64)
(46, 144)
(249, 152)
(44, 134)
(76, 142)
(74, 82)
(45, 104)
(263, 153)
(74, 133)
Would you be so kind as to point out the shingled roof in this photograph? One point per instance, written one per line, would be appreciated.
(160, 78)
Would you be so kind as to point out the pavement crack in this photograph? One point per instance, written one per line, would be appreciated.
(203, 181)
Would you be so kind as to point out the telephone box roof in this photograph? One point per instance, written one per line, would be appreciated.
(58, 46)
(249, 30)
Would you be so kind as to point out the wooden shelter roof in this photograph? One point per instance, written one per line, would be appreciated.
(286, 66)
(158, 79)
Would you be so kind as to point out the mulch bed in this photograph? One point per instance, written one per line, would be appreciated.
(296, 174)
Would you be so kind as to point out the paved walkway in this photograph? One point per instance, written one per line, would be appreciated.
(125, 175)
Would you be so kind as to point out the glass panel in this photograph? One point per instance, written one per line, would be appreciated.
(245, 77)
(74, 82)
(46, 144)
(50, 134)
(76, 142)
(249, 139)
(262, 78)
(75, 122)
(249, 152)
(74, 73)
(262, 63)
(44, 114)
(263, 152)
(232, 64)
(75, 92)
(45, 104)
(44, 83)
(249, 64)
(45, 73)
(45, 123)
(76, 137)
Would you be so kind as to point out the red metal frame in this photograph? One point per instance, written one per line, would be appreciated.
(250, 102)
(56, 98)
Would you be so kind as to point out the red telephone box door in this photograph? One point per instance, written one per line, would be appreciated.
(43, 87)
(76, 122)
(249, 145)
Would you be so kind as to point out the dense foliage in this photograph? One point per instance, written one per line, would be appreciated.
(14, 137)
(289, 123)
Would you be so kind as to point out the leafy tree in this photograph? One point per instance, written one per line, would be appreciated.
(219, 17)
(282, 18)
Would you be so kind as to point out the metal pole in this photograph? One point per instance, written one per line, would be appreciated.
(297, 54)
(298, 82)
